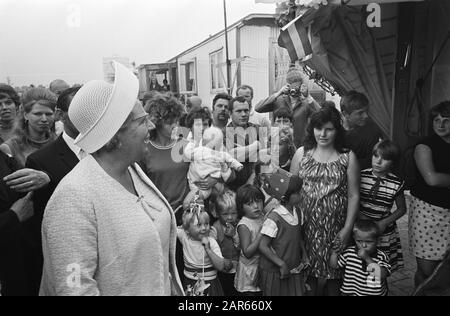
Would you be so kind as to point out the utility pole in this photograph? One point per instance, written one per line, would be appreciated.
(226, 48)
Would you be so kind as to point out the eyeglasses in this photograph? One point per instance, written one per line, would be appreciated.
(148, 122)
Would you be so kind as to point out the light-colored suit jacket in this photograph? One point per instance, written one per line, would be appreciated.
(99, 240)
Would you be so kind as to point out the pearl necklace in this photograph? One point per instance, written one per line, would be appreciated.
(160, 147)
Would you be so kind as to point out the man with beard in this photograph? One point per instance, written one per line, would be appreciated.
(9, 105)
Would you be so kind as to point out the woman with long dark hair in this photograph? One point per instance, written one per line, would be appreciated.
(329, 196)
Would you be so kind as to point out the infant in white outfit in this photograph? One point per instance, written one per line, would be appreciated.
(208, 159)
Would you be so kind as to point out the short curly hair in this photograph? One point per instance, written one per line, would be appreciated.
(198, 113)
(9, 92)
(442, 109)
(163, 109)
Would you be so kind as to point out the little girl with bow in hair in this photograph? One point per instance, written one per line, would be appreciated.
(202, 255)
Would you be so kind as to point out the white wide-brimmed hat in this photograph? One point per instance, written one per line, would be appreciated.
(99, 109)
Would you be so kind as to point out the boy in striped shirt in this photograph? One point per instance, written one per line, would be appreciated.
(366, 268)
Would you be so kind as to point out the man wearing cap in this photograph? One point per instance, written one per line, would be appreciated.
(107, 230)
(294, 96)
(9, 105)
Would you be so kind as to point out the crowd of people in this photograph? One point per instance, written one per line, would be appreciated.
(154, 197)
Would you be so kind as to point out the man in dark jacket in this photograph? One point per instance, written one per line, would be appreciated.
(15, 208)
(56, 160)
(295, 97)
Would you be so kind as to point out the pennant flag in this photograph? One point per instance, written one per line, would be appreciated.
(296, 38)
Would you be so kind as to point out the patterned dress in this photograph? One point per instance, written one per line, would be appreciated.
(324, 207)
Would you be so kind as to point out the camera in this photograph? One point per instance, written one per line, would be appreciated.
(295, 93)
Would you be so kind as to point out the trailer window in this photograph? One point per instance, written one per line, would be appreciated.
(188, 77)
(217, 66)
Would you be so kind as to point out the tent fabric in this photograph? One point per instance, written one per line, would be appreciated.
(440, 91)
(350, 58)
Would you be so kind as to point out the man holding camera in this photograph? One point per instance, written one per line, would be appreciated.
(294, 96)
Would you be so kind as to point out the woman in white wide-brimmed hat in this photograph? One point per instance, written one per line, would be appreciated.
(107, 230)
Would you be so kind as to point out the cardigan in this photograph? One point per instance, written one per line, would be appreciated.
(99, 240)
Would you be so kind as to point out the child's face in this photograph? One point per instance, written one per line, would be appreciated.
(294, 199)
(198, 230)
(366, 241)
(212, 141)
(228, 216)
(253, 210)
(380, 165)
(282, 121)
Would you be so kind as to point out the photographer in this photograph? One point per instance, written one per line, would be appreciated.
(294, 96)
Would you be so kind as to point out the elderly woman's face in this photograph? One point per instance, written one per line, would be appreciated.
(40, 118)
(136, 133)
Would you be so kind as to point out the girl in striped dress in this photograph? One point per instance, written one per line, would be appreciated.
(379, 190)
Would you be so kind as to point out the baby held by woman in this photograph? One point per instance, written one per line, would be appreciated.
(208, 159)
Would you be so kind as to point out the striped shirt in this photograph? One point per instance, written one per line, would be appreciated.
(376, 203)
(196, 260)
(358, 282)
